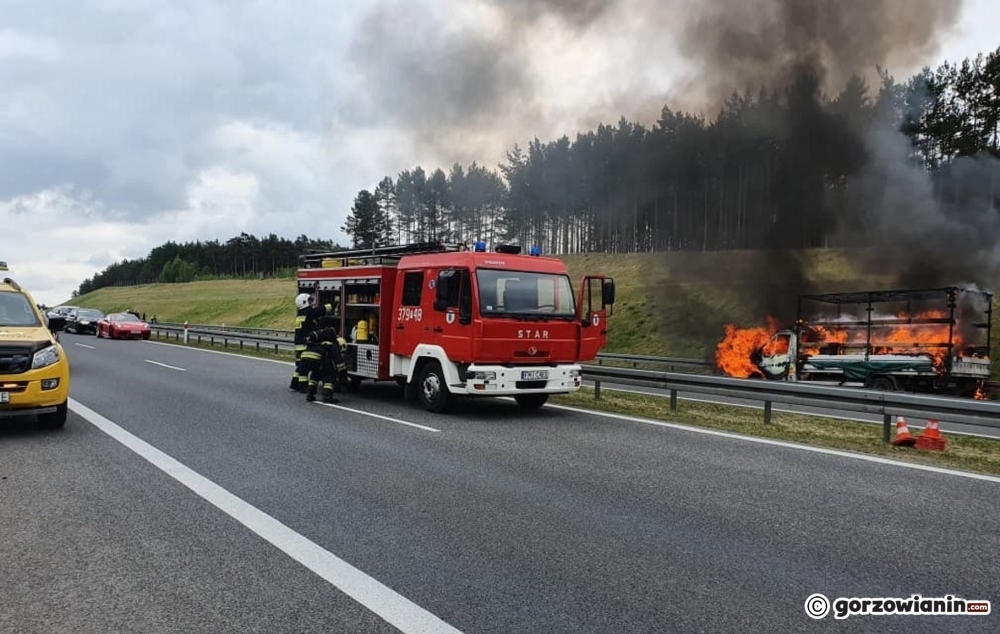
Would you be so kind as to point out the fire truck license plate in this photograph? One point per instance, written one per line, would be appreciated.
(534, 375)
(4, 397)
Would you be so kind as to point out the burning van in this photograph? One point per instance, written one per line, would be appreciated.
(930, 340)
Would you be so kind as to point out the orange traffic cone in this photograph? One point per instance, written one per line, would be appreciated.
(931, 437)
(903, 437)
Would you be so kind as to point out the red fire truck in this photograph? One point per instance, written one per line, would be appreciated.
(444, 320)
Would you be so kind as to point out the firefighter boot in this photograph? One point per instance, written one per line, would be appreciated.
(328, 394)
(311, 392)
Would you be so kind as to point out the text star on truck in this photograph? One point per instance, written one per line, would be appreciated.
(34, 371)
(925, 340)
(443, 320)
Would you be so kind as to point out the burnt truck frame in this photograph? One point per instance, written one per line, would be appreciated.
(870, 363)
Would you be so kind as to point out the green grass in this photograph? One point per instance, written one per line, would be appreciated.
(668, 304)
(963, 452)
(252, 303)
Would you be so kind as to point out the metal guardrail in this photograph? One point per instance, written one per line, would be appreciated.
(211, 335)
(671, 362)
(888, 404)
(274, 335)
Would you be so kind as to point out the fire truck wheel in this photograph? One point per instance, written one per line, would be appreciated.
(531, 401)
(433, 392)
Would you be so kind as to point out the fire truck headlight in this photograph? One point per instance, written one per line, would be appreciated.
(483, 376)
(574, 373)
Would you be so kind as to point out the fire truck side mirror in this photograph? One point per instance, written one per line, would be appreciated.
(608, 292)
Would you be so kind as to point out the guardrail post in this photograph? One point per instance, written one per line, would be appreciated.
(886, 428)
(673, 400)
(597, 389)
(767, 412)
(275, 348)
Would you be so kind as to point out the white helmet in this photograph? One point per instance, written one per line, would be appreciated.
(302, 300)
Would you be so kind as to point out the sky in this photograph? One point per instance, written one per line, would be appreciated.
(128, 123)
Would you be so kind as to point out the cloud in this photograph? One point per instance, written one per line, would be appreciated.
(126, 123)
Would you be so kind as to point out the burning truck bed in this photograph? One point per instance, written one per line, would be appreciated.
(925, 340)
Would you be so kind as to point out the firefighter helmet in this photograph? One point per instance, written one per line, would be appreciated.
(302, 300)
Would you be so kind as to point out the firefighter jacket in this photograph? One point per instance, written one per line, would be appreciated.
(305, 322)
(325, 345)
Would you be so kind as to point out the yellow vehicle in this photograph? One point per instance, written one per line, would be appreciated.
(34, 370)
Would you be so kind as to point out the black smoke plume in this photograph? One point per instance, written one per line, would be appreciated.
(920, 230)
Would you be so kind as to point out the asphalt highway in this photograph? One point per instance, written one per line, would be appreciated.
(191, 491)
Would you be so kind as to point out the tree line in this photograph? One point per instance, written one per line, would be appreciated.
(243, 256)
(751, 177)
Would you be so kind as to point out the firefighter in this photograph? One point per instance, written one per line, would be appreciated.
(342, 380)
(305, 322)
(323, 360)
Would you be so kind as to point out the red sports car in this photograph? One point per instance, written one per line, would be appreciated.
(123, 326)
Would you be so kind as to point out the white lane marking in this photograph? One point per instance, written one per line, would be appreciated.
(83, 345)
(683, 398)
(349, 409)
(391, 606)
(780, 443)
(851, 419)
(388, 418)
(228, 354)
(164, 365)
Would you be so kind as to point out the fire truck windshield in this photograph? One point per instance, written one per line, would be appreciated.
(525, 294)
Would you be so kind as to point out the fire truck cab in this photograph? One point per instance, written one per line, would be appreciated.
(444, 320)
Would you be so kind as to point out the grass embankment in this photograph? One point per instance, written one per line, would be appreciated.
(672, 304)
(659, 310)
(250, 303)
(668, 304)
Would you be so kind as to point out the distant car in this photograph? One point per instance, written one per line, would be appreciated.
(123, 326)
(61, 311)
(83, 321)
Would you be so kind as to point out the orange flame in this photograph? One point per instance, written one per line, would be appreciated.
(981, 394)
(732, 355)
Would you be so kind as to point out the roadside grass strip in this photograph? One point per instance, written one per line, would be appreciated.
(976, 454)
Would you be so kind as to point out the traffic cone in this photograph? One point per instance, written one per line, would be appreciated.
(931, 438)
(903, 437)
